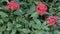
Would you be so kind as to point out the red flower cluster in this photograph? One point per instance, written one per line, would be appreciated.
(12, 5)
(52, 20)
(41, 8)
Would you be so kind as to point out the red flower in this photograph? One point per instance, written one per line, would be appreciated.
(41, 8)
(12, 5)
(52, 20)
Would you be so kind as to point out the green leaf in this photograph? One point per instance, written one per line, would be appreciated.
(1, 21)
(31, 10)
(13, 31)
(31, 1)
(3, 14)
(38, 24)
(34, 15)
(9, 26)
(6, 32)
(4, 0)
(58, 14)
(32, 7)
(5, 19)
(31, 24)
(26, 31)
(48, 32)
(16, 1)
(37, 21)
(51, 11)
(23, 3)
(59, 7)
(18, 25)
(3, 28)
(0, 32)
(56, 32)
(44, 26)
(37, 2)
(1, 8)
(18, 12)
(39, 32)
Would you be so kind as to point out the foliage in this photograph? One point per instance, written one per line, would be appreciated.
(26, 20)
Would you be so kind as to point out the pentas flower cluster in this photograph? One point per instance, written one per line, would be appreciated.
(12, 5)
(41, 9)
(52, 20)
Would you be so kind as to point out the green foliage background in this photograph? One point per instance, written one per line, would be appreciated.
(25, 20)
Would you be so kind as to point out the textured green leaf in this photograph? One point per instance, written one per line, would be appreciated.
(45, 26)
(37, 21)
(25, 31)
(34, 15)
(13, 31)
(9, 26)
(3, 14)
(1, 21)
(38, 32)
(30, 11)
(31, 24)
(18, 25)
(18, 12)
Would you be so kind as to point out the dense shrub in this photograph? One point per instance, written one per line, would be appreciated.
(29, 16)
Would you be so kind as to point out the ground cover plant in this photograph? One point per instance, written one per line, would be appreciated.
(29, 16)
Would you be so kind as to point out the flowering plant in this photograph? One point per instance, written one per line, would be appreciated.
(29, 16)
